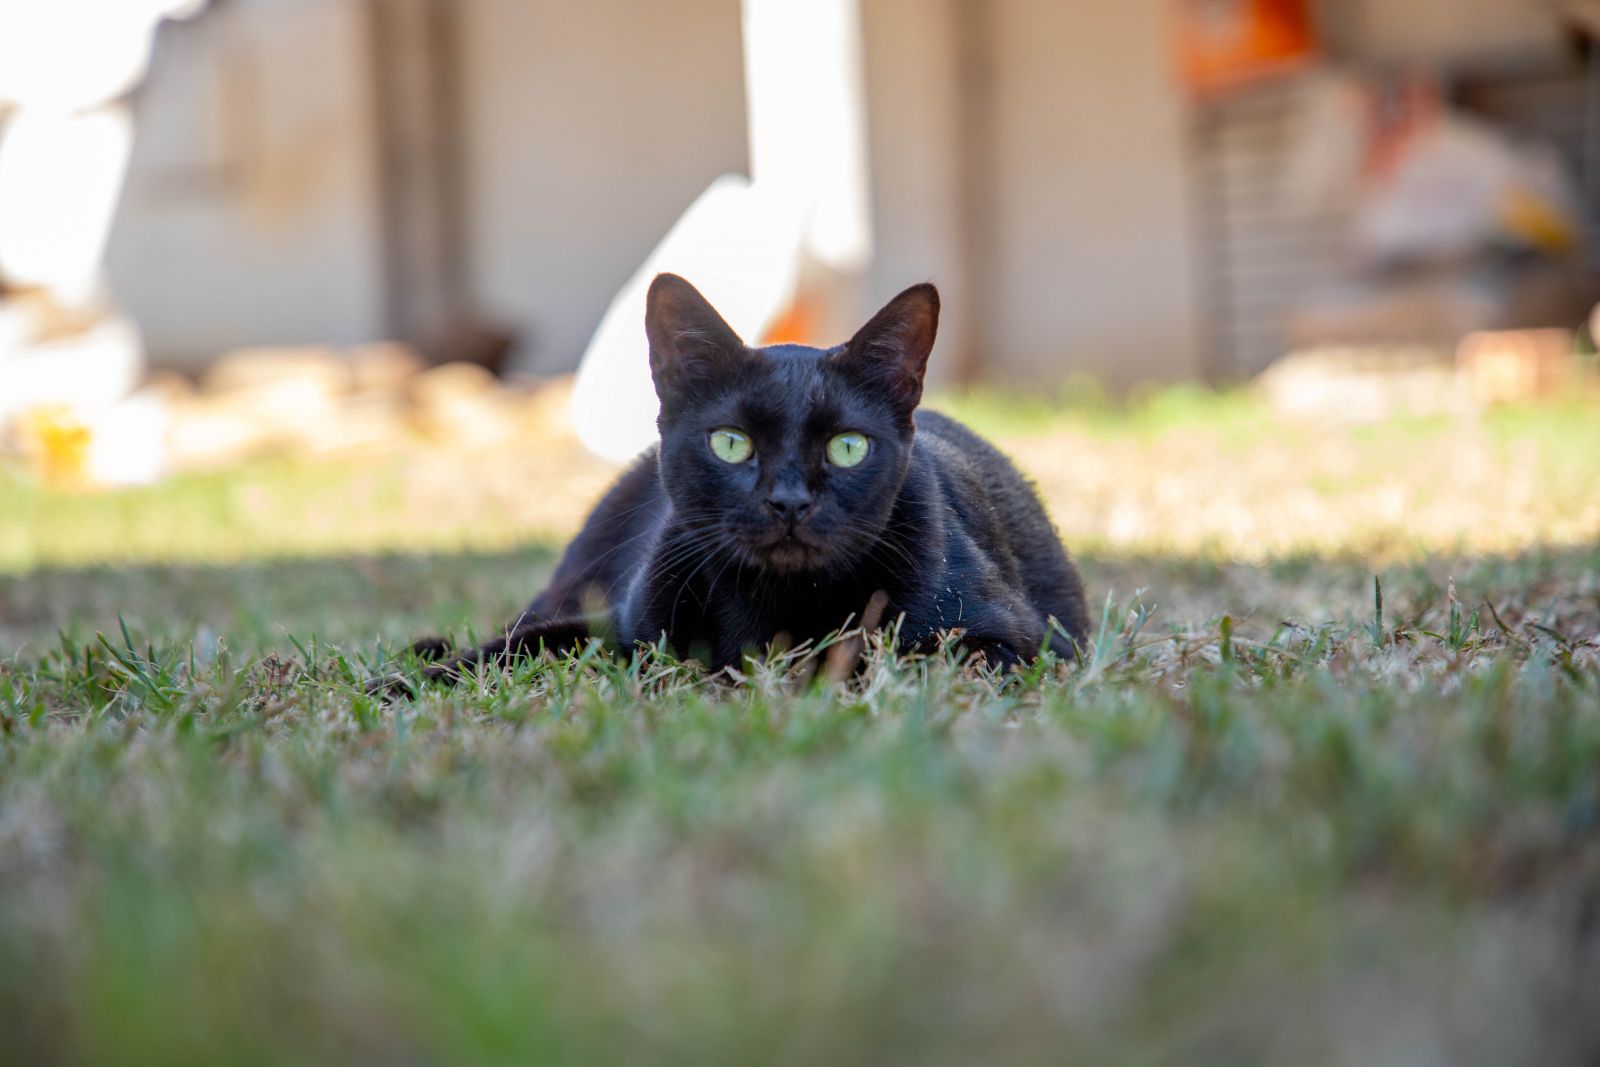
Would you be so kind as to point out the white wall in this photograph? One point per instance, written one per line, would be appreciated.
(250, 212)
(1448, 30)
(251, 215)
(910, 50)
(1095, 271)
(1083, 261)
(590, 128)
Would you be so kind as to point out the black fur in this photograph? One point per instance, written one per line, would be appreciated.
(727, 558)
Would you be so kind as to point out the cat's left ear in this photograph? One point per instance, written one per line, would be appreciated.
(891, 352)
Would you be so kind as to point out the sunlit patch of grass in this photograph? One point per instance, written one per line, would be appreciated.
(415, 499)
(1085, 404)
(1176, 471)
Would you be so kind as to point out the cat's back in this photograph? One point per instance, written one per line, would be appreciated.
(996, 506)
(960, 447)
(981, 478)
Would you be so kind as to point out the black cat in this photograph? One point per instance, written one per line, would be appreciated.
(792, 488)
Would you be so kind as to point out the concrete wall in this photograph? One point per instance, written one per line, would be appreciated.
(1089, 264)
(911, 54)
(587, 137)
(1095, 266)
(1075, 254)
(1447, 30)
(250, 212)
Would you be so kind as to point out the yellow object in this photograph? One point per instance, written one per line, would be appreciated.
(1533, 219)
(57, 442)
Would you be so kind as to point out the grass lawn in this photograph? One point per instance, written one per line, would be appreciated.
(1325, 790)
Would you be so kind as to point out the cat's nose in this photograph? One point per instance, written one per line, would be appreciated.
(789, 502)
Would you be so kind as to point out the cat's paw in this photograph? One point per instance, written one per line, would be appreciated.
(389, 687)
(431, 648)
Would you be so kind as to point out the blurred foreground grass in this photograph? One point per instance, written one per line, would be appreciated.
(1266, 820)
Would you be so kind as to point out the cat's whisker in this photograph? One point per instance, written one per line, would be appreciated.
(685, 586)
(653, 532)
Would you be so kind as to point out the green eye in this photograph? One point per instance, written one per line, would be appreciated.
(731, 446)
(847, 449)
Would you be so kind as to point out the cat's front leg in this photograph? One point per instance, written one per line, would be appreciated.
(993, 652)
(431, 649)
(669, 598)
(973, 647)
(558, 636)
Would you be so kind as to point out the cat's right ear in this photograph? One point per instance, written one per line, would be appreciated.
(689, 341)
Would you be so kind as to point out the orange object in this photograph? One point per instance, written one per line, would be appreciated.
(1224, 43)
(796, 326)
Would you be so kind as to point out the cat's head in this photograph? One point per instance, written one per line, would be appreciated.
(788, 457)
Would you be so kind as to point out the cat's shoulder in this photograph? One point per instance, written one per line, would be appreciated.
(635, 489)
(938, 426)
(947, 439)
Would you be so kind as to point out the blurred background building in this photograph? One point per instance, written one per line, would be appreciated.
(1144, 191)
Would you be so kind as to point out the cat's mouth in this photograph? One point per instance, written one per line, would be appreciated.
(789, 551)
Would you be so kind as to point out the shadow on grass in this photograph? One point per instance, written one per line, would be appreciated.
(366, 598)
(254, 605)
